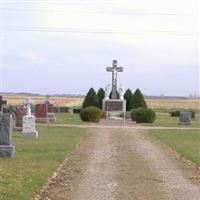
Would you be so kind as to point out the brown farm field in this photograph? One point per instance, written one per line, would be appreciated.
(57, 101)
(77, 101)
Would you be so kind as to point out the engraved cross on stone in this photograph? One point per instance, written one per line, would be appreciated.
(2, 102)
(114, 69)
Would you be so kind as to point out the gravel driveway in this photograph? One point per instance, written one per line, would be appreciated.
(122, 164)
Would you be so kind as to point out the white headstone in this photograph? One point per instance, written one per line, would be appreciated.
(29, 122)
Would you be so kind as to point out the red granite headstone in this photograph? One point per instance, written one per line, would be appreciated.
(41, 111)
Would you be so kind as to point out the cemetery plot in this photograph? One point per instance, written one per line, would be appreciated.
(23, 176)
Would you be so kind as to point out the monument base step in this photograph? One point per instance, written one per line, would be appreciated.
(7, 151)
(42, 120)
(17, 128)
(184, 123)
(30, 134)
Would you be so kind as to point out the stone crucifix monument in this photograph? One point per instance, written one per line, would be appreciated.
(29, 122)
(114, 102)
(114, 69)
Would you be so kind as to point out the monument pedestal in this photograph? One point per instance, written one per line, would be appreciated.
(51, 117)
(114, 107)
(7, 151)
(29, 127)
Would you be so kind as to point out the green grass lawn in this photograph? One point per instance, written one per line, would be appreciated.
(185, 142)
(167, 110)
(23, 176)
(68, 118)
(164, 119)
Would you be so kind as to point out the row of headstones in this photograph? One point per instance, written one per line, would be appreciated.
(43, 112)
(25, 122)
(185, 117)
(65, 109)
(28, 130)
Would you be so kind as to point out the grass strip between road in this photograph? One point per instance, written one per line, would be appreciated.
(185, 142)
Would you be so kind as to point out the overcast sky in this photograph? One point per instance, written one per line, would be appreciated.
(64, 46)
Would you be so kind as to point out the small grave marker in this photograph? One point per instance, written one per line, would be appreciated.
(185, 118)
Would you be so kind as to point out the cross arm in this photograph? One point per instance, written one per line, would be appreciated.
(109, 69)
(120, 69)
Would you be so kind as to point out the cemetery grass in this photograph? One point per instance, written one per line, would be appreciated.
(23, 176)
(68, 118)
(164, 119)
(185, 142)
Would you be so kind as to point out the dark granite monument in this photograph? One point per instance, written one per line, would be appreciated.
(76, 110)
(20, 112)
(6, 147)
(2, 102)
(185, 118)
(56, 109)
(64, 109)
(113, 104)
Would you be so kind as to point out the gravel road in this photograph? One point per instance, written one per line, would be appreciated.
(116, 164)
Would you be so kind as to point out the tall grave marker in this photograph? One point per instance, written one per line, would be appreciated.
(6, 147)
(29, 122)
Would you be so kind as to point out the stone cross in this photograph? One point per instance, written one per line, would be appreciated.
(114, 69)
(2, 102)
(28, 107)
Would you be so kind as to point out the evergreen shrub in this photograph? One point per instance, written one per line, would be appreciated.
(91, 114)
(143, 115)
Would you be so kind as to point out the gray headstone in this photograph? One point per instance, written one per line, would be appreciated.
(5, 129)
(6, 148)
(185, 118)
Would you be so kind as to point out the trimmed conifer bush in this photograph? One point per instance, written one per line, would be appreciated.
(91, 114)
(143, 115)
(91, 99)
(101, 96)
(137, 101)
(128, 97)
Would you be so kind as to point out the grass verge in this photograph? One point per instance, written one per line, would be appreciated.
(185, 142)
(22, 177)
(164, 119)
(68, 118)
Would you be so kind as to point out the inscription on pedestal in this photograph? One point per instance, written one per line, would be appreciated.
(113, 106)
